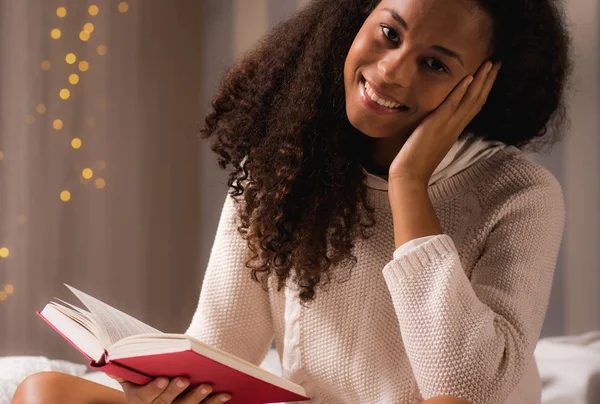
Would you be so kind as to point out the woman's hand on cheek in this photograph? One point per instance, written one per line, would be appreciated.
(431, 141)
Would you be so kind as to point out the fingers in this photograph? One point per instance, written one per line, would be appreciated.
(217, 399)
(476, 96)
(175, 387)
(196, 395)
(453, 101)
(145, 394)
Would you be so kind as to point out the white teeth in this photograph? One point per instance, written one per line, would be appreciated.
(380, 101)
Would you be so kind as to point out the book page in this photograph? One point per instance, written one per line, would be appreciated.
(117, 324)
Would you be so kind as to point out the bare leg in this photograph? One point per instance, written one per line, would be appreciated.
(55, 388)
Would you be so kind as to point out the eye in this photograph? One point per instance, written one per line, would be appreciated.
(437, 66)
(390, 33)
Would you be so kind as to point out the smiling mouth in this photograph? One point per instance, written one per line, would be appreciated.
(378, 103)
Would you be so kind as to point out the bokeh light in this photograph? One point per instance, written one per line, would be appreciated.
(70, 58)
(46, 65)
(93, 9)
(87, 173)
(89, 27)
(123, 7)
(65, 196)
(84, 66)
(55, 33)
(41, 109)
(4, 252)
(84, 35)
(57, 124)
(8, 288)
(64, 93)
(101, 50)
(61, 12)
(74, 78)
(100, 183)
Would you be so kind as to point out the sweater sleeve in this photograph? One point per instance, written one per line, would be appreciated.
(473, 338)
(233, 312)
(410, 244)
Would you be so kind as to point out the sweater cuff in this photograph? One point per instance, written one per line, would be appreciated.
(409, 245)
(420, 257)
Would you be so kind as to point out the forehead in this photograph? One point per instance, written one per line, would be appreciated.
(460, 25)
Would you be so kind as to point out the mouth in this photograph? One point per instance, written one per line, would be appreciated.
(375, 103)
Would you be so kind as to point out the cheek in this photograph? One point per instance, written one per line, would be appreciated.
(432, 95)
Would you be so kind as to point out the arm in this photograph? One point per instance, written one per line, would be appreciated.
(473, 338)
(233, 311)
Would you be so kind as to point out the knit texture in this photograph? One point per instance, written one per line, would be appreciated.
(459, 314)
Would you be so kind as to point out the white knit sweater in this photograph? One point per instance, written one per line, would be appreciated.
(459, 314)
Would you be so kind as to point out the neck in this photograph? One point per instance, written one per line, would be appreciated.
(381, 153)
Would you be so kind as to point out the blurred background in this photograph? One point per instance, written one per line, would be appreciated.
(105, 186)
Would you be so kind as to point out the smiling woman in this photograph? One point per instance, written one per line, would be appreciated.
(442, 273)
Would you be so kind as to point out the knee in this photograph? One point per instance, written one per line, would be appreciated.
(40, 388)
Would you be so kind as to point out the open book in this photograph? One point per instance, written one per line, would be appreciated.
(123, 346)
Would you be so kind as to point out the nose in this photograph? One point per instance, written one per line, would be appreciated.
(396, 67)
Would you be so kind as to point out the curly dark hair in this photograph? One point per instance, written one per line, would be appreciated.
(279, 120)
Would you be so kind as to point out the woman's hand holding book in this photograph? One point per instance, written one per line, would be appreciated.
(164, 391)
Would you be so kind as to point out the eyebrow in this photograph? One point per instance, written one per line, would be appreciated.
(438, 48)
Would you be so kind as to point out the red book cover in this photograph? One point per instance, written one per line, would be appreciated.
(244, 389)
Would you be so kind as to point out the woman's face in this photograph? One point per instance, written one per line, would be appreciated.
(411, 54)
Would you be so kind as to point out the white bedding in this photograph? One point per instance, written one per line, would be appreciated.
(569, 367)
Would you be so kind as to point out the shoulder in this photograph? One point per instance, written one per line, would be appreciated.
(518, 185)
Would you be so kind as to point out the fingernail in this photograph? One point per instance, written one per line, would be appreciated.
(162, 383)
(225, 398)
(489, 67)
(180, 383)
(205, 389)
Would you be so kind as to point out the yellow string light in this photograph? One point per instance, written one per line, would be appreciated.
(84, 66)
(84, 35)
(4, 252)
(89, 27)
(41, 109)
(57, 124)
(101, 50)
(64, 93)
(87, 173)
(74, 78)
(123, 7)
(70, 58)
(55, 33)
(61, 12)
(8, 288)
(65, 196)
(100, 183)
(76, 143)
(46, 65)
(93, 9)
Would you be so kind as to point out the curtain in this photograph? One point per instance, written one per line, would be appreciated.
(99, 183)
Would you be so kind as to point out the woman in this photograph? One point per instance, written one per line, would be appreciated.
(390, 236)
